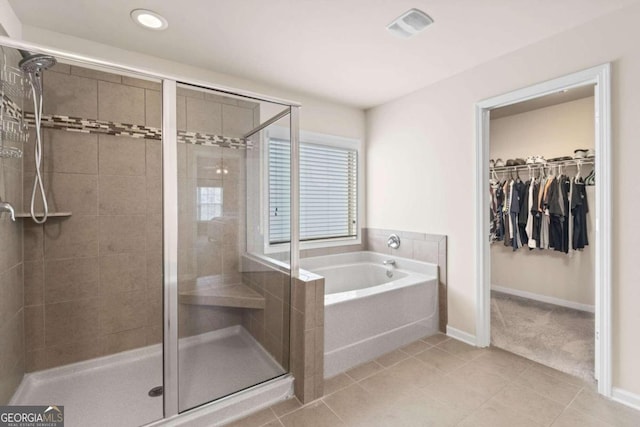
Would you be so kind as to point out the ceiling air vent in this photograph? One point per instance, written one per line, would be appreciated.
(410, 23)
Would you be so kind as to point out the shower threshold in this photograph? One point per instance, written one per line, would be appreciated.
(114, 390)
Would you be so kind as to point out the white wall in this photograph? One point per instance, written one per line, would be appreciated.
(420, 162)
(10, 25)
(317, 115)
(551, 132)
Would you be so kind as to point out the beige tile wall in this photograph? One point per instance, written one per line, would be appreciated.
(269, 326)
(11, 275)
(307, 337)
(421, 247)
(93, 281)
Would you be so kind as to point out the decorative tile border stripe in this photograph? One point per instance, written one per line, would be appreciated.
(10, 108)
(76, 124)
(214, 140)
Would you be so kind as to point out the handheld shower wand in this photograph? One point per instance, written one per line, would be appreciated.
(32, 66)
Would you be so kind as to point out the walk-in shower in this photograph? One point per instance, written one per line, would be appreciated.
(150, 292)
(33, 65)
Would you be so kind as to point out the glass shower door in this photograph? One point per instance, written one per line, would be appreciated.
(233, 300)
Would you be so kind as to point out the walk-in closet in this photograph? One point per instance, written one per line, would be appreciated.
(542, 211)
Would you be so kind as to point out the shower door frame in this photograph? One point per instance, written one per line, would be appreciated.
(170, 198)
(170, 231)
(600, 77)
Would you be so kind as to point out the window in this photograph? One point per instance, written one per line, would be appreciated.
(209, 202)
(328, 192)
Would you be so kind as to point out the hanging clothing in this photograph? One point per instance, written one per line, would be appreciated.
(531, 240)
(579, 208)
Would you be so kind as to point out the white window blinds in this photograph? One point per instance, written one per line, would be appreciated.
(328, 192)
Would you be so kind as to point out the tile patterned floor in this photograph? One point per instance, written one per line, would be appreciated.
(443, 382)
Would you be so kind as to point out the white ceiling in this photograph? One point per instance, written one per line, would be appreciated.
(336, 49)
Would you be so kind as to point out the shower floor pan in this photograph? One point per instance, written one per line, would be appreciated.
(113, 390)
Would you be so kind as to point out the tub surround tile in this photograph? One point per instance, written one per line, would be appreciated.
(426, 251)
(421, 247)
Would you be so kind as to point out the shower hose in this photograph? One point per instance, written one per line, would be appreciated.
(38, 186)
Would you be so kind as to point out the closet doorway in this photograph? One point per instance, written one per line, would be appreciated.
(543, 177)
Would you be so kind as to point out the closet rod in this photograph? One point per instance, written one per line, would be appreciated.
(585, 161)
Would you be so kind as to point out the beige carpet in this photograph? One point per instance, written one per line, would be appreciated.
(559, 337)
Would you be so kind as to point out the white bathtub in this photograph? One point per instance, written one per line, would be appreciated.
(368, 314)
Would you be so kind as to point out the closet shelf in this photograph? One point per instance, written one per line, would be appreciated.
(585, 161)
(40, 214)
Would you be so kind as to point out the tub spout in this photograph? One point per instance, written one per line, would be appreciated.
(390, 263)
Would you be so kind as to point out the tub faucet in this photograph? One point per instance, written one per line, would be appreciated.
(6, 207)
(390, 263)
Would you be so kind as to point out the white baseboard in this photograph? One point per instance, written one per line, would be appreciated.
(462, 336)
(626, 397)
(544, 298)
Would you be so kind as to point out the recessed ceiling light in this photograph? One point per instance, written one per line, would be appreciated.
(410, 23)
(149, 19)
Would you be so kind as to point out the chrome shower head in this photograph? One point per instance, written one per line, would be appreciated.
(36, 62)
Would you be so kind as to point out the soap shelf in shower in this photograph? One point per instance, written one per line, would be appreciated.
(40, 214)
(228, 295)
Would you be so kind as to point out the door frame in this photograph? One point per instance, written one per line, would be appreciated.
(600, 76)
